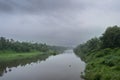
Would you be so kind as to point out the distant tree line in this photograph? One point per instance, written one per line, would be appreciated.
(17, 46)
(58, 48)
(109, 39)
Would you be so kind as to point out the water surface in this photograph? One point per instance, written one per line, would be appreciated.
(66, 66)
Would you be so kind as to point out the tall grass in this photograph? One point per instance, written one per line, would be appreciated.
(103, 65)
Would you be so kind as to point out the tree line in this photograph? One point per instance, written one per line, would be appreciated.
(109, 39)
(17, 46)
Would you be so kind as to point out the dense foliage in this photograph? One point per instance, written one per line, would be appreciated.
(91, 45)
(103, 65)
(102, 55)
(111, 37)
(11, 45)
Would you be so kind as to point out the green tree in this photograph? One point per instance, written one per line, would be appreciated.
(111, 37)
(91, 45)
(2, 43)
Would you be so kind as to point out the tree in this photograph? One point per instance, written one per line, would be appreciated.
(17, 46)
(2, 43)
(91, 45)
(111, 37)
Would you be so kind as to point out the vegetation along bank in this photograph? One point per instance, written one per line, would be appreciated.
(102, 55)
(11, 50)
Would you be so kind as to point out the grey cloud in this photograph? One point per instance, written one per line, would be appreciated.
(39, 6)
(5, 7)
(58, 22)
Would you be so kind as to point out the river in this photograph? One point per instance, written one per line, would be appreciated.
(65, 66)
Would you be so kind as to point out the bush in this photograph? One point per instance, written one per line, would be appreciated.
(97, 77)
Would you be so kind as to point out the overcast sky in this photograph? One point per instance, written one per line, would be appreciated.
(57, 22)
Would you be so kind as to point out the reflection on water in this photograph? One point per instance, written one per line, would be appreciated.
(66, 66)
(7, 66)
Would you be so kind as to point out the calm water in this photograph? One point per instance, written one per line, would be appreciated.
(66, 66)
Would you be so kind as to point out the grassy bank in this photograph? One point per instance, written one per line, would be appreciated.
(103, 65)
(102, 55)
(9, 59)
(8, 56)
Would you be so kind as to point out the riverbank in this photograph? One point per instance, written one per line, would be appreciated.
(102, 55)
(11, 50)
(9, 56)
(9, 59)
(103, 64)
(65, 66)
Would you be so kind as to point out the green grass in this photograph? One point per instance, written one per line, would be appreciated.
(103, 65)
(15, 56)
(9, 56)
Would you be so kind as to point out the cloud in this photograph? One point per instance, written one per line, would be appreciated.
(57, 22)
(39, 6)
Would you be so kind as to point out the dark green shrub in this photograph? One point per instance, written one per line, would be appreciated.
(107, 51)
(97, 77)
